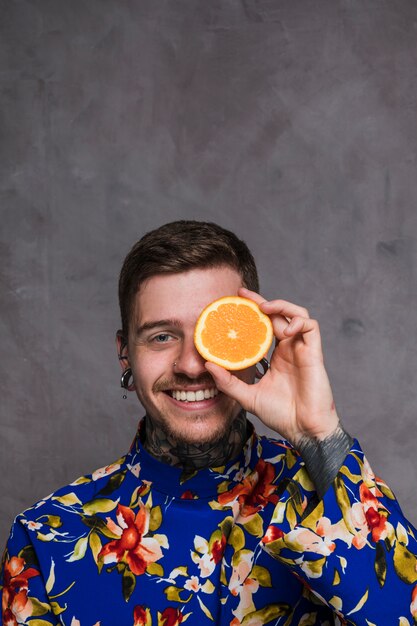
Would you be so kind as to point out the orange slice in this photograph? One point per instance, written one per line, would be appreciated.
(233, 332)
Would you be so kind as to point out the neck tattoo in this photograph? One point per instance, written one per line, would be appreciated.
(165, 448)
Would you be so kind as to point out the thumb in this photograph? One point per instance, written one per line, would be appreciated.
(231, 385)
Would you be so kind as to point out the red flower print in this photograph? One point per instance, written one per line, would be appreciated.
(141, 616)
(16, 606)
(132, 547)
(171, 617)
(256, 490)
(376, 517)
(217, 549)
(188, 495)
(272, 534)
(413, 605)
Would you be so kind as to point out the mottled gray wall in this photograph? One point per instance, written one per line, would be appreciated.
(291, 122)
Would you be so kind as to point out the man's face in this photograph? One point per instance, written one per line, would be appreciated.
(181, 399)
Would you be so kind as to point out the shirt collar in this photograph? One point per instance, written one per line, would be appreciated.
(174, 481)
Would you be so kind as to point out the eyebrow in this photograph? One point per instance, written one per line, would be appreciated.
(170, 323)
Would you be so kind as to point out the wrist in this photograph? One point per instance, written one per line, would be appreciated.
(324, 426)
(324, 456)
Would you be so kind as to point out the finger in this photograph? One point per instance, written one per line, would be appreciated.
(231, 385)
(252, 295)
(279, 325)
(280, 311)
(308, 328)
(283, 307)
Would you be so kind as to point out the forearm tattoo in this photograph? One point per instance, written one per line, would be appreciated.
(324, 458)
(165, 448)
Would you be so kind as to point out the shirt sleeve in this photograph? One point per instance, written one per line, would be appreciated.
(353, 548)
(24, 592)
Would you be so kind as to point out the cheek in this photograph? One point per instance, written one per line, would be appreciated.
(148, 368)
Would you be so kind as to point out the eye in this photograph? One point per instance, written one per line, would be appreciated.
(162, 338)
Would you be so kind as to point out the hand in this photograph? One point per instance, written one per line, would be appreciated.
(294, 397)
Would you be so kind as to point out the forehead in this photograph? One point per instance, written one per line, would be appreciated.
(183, 296)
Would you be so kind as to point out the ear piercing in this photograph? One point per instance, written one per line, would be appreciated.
(125, 381)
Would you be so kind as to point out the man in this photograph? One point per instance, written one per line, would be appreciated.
(203, 521)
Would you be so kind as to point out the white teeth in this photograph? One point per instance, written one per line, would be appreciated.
(194, 396)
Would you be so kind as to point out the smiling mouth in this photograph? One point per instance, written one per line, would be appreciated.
(194, 396)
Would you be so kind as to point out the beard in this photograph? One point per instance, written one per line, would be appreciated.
(200, 429)
(181, 429)
(176, 446)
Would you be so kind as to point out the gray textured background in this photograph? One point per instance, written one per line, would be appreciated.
(291, 122)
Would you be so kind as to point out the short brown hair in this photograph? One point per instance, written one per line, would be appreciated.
(177, 247)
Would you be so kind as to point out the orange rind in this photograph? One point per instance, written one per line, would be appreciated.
(233, 332)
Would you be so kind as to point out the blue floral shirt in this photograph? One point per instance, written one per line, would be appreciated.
(141, 543)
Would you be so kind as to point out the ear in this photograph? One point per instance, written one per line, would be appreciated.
(122, 353)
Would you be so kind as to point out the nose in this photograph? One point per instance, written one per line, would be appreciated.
(189, 362)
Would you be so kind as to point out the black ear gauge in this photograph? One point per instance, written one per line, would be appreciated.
(126, 380)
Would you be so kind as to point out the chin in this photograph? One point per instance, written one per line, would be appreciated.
(198, 430)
